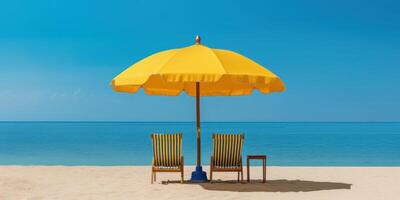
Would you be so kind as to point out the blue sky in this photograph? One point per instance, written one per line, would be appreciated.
(339, 59)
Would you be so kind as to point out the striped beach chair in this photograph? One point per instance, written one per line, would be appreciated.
(167, 154)
(227, 154)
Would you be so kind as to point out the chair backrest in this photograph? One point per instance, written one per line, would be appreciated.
(167, 149)
(227, 150)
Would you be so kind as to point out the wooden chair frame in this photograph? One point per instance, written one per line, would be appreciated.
(155, 169)
(214, 168)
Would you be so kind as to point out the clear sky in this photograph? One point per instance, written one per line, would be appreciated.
(340, 60)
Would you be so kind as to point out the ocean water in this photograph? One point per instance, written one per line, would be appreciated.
(126, 143)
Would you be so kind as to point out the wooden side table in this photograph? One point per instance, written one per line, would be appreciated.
(264, 166)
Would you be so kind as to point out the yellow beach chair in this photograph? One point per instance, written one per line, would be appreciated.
(167, 154)
(227, 154)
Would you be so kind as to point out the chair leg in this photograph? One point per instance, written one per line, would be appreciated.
(211, 168)
(238, 176)
(182, 177)
(241, 174)
(181, 174)
(182, 169)
(155, 177)
(152, 176)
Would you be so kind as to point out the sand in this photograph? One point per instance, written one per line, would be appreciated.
(308, 183)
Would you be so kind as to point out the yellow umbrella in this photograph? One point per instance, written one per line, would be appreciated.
(198, 71)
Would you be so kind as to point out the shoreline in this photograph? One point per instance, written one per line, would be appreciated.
(206, 165)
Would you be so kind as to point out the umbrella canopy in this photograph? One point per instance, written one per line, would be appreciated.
(220, 72)
(198, 71)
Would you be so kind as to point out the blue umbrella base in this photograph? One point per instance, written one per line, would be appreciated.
(199, 176)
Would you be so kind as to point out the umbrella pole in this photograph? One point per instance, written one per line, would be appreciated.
(198, 123)
(198, 175)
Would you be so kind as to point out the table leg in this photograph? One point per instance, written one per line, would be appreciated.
(264, 169)
(248, 170)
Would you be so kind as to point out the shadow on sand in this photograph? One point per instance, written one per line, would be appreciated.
(269, 186)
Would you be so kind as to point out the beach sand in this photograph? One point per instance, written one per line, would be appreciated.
(308, 183)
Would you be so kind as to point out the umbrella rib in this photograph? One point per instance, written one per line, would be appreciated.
(168, 61)
(219, 60)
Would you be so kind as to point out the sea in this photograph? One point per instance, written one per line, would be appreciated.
(129, 143)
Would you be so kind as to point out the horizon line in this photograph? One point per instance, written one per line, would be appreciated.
(178, 121)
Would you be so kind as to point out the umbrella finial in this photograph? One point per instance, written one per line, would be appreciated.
(198, 39)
